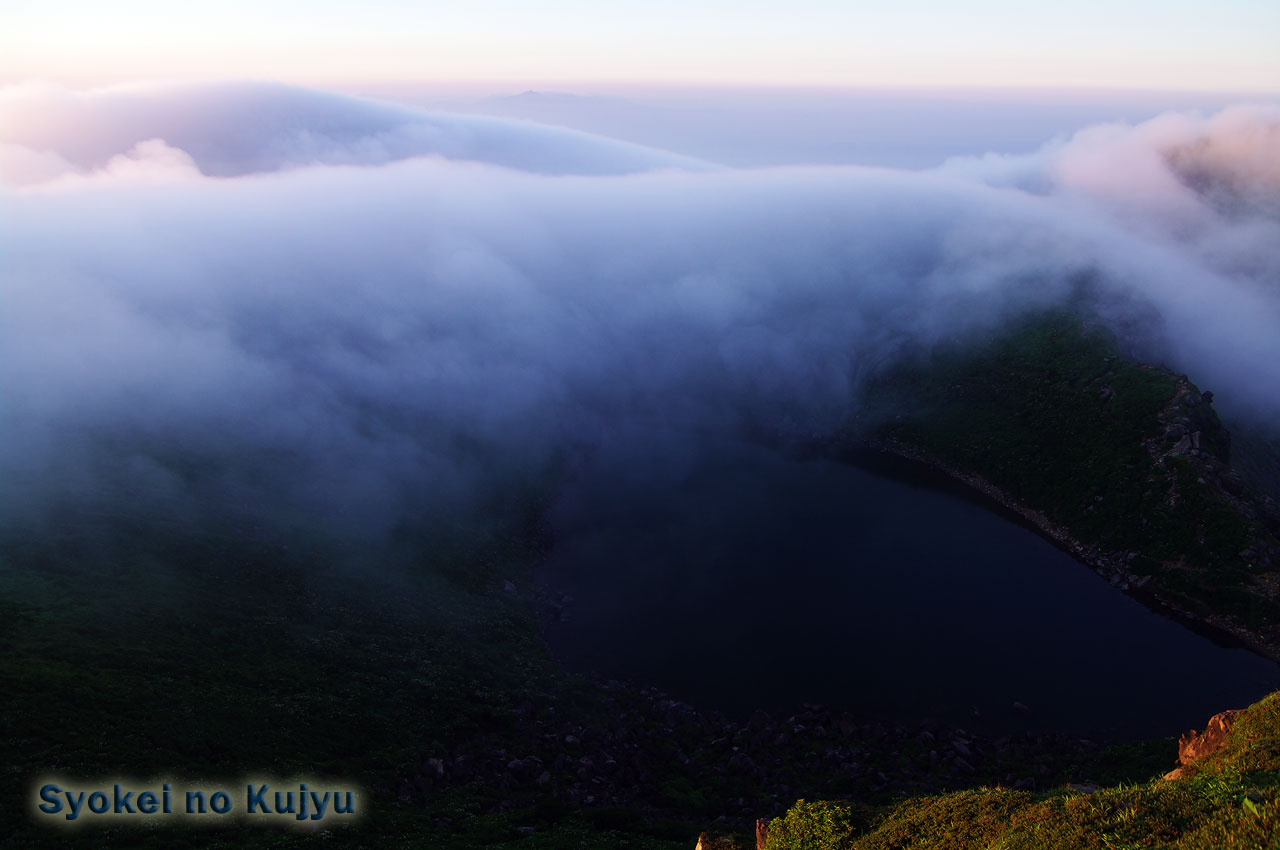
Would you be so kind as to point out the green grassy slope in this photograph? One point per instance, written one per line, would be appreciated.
(1230, 802)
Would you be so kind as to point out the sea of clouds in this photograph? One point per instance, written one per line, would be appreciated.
(317, 311)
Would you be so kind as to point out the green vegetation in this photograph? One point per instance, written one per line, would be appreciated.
(818, 826)
(241, 663)
(1052, 415)
(1230, 802)
(143, 654)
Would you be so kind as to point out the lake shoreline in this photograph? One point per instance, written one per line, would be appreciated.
(929, 471)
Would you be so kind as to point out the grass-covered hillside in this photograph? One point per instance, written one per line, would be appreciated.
(429, 690)
(142, 652)
(1229, 801)
(214, 663)
(1125, 463)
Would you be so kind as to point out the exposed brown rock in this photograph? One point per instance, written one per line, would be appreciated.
(762, 833)
(1193, 745)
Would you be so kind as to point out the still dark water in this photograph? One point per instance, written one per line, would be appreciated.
(744, 579)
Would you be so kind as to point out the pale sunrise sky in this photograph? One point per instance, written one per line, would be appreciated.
(1231, 45)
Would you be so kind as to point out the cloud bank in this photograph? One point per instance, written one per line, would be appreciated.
(232, 129)
(274, 306)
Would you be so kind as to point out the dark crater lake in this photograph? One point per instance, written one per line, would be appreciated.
(740, 578)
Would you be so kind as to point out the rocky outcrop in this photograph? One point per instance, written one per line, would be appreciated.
(1194, 437)
(1194, 746)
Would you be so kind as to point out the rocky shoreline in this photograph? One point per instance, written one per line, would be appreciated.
(1114, 566)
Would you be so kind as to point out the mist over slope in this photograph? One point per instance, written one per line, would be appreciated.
(250, 301)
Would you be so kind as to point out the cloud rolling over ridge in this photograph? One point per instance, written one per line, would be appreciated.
(231, 129)
(351, 315)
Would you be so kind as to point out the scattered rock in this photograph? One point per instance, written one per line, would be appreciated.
(639, 734)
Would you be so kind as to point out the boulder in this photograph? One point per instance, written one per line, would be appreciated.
(1194, 746)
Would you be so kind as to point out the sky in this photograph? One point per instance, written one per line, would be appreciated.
(1194, 45)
